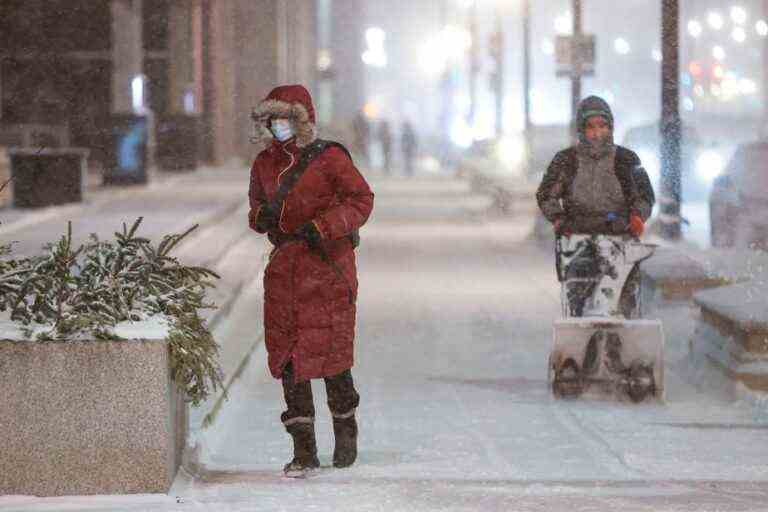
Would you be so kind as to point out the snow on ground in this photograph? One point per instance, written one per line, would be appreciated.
(454, 329)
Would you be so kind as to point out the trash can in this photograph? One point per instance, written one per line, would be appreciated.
(46, 177)
(177, 142)
(126, 154)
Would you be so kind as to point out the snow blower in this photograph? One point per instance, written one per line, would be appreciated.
(602, 347)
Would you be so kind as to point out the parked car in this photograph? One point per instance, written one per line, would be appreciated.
(738, 203)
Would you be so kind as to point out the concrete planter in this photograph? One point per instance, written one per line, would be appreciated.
(732, 334)
(93, 417)
(671, 276)
(45, 177)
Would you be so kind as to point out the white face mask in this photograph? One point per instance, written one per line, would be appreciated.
(282, 129)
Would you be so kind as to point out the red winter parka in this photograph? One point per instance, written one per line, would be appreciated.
(309, 309)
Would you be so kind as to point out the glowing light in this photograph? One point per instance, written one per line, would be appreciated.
(718, 71)
(563, 24)
(461, 133)
(710, 165)
(548, 47)
(375, 55)
(715, 20)
(374, 59)
(695, 68)
(511, 151)
(762, 28)
(688, 104)
(739, 35)
(718, 53)
(137, 94)
(375, 37)
(324, 60)
(189, 102)
(730, 88)
(738, 15)
(621, 46)
(747, 86)
(694, 28)
(371, 110)
(656, 55)
(698, 90)
(450, 44)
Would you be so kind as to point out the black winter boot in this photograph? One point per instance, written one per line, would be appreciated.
(345, 450)
(304, 450)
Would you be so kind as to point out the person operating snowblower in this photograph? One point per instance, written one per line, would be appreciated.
(598, 197)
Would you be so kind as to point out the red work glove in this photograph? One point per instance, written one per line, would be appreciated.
(562, 228)
(636, 225)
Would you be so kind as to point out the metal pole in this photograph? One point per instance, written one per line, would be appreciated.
(527, 75)
(576, 71)
(670, 121)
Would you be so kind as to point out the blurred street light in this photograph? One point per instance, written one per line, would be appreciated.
(762, 28)
(718, 53)
(621, 46)
(739, 34)
(738, 15)
(715, 20)
(694, 28)
(375, 56)
(449, 44)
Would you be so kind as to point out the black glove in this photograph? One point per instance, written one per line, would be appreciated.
(266, 220)
(312, 235)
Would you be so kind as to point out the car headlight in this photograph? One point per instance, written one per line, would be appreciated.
(709, 165)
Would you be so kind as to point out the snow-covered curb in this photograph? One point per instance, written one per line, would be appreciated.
(152, 328)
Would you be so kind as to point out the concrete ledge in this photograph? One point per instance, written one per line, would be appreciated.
(670, 275)
(732, 333)
(92, 417)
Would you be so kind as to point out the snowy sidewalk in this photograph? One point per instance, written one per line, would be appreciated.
(454, 329)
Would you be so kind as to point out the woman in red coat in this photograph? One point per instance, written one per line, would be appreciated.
(310, 283)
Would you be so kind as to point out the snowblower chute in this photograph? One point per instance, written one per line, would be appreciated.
(602, 347)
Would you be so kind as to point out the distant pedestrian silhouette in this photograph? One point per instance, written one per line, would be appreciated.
(409, 145)
(385, 138)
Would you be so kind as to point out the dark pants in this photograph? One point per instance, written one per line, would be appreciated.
(342, 397)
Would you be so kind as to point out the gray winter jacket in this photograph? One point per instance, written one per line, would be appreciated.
(595, 195)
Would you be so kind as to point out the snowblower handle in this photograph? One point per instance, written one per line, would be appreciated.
(558, 258)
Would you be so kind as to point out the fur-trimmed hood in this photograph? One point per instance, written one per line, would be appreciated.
(288, 101)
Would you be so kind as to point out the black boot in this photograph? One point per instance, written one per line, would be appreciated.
(345, 450)
(304, 450)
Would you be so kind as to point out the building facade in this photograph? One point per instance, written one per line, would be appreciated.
(69, 67)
